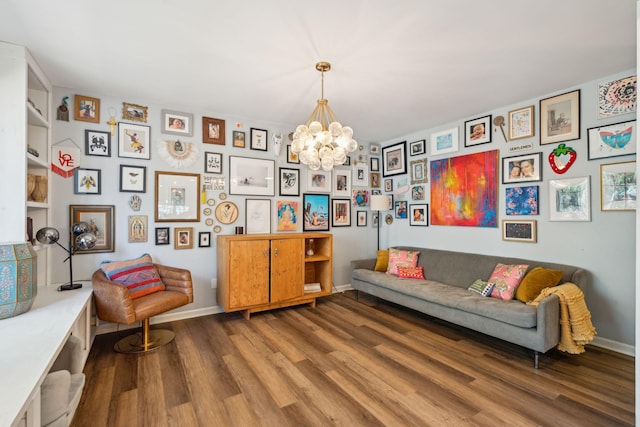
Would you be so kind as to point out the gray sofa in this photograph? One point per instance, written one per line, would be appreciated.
(448, 275)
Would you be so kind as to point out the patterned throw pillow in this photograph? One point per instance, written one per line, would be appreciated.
(137, 275)
(481, 287)
(505, 279)
(410, 272)
(398, 257)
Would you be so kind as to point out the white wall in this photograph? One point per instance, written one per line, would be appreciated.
(349, 243)
(605, 246)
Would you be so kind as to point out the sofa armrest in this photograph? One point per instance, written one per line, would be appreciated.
(548, 320)
(113, 303)
(176, 280)
(367, 264)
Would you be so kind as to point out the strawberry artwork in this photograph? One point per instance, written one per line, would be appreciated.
(561, 158)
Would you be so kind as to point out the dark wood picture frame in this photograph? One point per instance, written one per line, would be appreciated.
(87, 109)
(213, 131)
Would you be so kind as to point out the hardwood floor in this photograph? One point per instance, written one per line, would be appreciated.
(349, 362)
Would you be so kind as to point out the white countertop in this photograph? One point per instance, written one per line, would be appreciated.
(30, 342)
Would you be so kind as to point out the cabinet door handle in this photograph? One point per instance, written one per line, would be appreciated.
(276, 252)
(265, 253)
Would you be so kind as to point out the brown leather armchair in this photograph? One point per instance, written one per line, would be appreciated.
(113, 304)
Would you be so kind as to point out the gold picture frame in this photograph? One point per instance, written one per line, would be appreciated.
(177, 197)
(134, 112)
(521, 123)
(560, 118)
(183, 238)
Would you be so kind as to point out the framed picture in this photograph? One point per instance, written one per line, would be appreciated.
(374, 179)
(133, 179)
(388, 185)
(258, 139)
(183, 238)
(227, 212)
(417, 192)
(238, 139)
(400, 209)
(341, 182)
(521, 123)
(361, 175)
(519, 230)
(177, 123)
(443, 142)
(522, 200)
(374, 164)
(319, 181)
(360, 198)
(418, 171)
(618, 139)
(251, 177)
(258, 216)
(417, 147)
(617, 96)
(341, 213)
(162, 236)
(213, 131)
(525, 168)
(87, 181)
(137, 228)
(204, 239)
(97, 143)
(87, 109)
(618, 186)
(560, 118)
(134, 112)
(570, 199)
(287, 215)
(347, 162)
(361, 218)
(419, 215)
(177, 197)
(374, 149)
(101, 219)
(316, 212)
(289, 182)
(212, 162)
(477, 131)
(293, 157)
(394, 159)
(134, 141)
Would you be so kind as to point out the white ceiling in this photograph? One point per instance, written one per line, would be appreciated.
(397, 66)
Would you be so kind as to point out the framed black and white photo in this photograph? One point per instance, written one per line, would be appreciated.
(374, 149)
(97, 143)
(477, 131)
(525, 168)
(133, 179)
(419, 214)
(258, 139)
(417, 147)
(258, 216)
(560, 118)
(394, 159)
(251, 177)
(212, 162)
(87, 181)
(177, 123)
(134, 141)
(204, 239)
(289, 182)
(177, 197)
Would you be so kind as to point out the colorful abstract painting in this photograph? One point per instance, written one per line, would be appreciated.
(522, 200)
(287, 215)
(464, 190)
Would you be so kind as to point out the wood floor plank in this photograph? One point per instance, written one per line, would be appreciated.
(349, 362)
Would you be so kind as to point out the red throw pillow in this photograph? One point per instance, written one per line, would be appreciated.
(410, 272)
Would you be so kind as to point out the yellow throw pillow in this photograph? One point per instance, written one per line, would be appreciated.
(535, 281)
(383, 261)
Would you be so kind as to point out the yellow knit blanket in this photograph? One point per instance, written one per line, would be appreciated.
(576, 329)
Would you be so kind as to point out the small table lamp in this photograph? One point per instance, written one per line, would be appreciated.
(380, 202)
(84, 239)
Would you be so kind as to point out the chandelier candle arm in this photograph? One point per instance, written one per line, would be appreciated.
(323, 141)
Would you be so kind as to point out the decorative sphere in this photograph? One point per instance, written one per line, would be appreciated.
(80, 227)
(314, 164)
(352, 145)
(325, 152)
(47, 235)
(335, 128)
(347, 131)
(315, 128)
(86, 241)
(327, 163)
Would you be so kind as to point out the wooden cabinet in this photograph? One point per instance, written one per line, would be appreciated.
(264, 271)
(25, 137)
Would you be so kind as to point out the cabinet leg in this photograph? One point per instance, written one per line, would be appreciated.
(312, 304)
(246, 314)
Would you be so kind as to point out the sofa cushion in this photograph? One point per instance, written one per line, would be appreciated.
(410, 272)
(382, 260)
(481, 287)
(535, 281)
(505, 279)
(138, 275)
(400, 257)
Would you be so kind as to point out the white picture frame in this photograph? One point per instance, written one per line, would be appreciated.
(360, 176)
(258, 216)
(251, 177)
(341, 182)
(570, 199)
(318, 181)
(176, 123)
(443, 142)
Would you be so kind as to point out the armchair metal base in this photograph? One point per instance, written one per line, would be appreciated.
(144, 341)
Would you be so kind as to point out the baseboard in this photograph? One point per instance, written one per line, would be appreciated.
(616, 346)
(105, 328)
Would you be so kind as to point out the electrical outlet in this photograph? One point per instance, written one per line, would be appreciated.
(214, 283)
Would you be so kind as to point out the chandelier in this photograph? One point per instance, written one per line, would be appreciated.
(323, 141)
